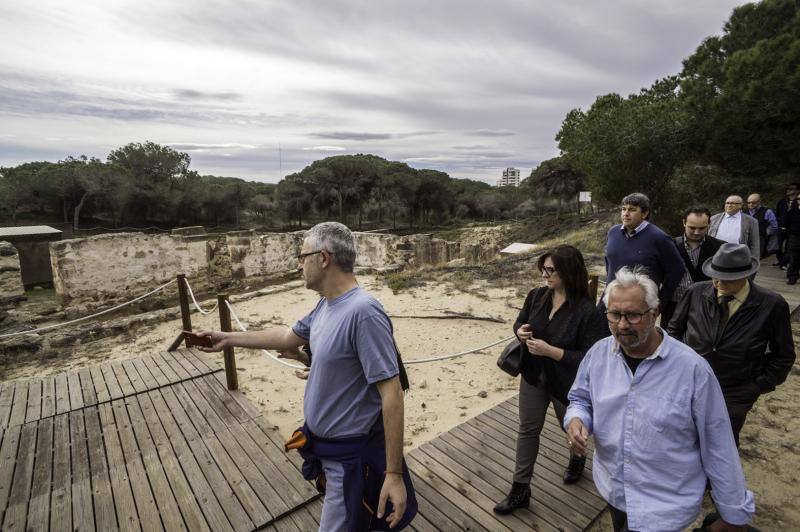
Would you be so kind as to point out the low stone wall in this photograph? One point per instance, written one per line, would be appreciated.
(123, 265)
(118, 267)
(11, 288)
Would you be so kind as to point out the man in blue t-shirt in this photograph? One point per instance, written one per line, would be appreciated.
(354, 391)
(637, 242)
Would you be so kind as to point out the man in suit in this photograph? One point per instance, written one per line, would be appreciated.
(695, 246)
(781, 209)
(734, 227)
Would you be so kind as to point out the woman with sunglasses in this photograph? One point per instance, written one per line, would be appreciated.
(558, 323)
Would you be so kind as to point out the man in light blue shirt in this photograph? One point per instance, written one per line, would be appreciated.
(659, 421)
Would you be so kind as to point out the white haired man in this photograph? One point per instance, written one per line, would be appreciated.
(659, 421)
(353, 401)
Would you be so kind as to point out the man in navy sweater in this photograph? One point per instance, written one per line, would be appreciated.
(636, 241)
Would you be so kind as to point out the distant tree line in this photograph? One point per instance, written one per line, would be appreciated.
(728, 122)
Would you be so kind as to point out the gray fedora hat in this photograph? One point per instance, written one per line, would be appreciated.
(731, 262)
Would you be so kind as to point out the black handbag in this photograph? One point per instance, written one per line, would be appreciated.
(510, 359)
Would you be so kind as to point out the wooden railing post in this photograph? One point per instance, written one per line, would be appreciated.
(593, 288)
(225, 326)
(183, 296)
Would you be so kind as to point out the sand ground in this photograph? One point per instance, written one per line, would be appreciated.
(446, 393)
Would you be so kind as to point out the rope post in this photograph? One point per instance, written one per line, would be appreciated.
(183, 296)
(230, 358)
(593, 287)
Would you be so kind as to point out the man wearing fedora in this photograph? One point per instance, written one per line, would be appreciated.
(742, 330)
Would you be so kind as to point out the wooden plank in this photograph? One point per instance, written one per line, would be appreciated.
(138, 383)
(163, 365)
(48, 396)
(286, 490)
(82, 511)
(34, 410)
(124, 503)
(8, 460)
(185, 363)
(289, 464)
(212, 386)
(157, 483)
(158, 411)
(17, 511)
(122, 379)
(61, 496)
(19, 405)
(103, 500)
(551, 465)
(221, 404)
(110, 378)
(153, 372)
(202, 361)
(430, 490)
(544, 496)
(6, 400)
(75, 391)
(87, 387)
(249, 408)
(467, 476)
(100, 386)
(39, 508)
(466, 486)
(464, 504)
(227, 493)
(62, 393)
(175, 365)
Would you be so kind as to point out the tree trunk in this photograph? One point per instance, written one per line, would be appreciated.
(341, 211)
(78, 208)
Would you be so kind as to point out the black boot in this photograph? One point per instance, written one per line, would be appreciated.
(574, 469)
(520, 497)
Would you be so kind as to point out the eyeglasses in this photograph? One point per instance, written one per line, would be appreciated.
(632, 317)
(547, 271)
(733, 203)
(302, 256)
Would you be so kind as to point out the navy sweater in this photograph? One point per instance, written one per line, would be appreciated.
(651, 248)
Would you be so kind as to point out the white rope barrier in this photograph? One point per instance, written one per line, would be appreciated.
(405, 362)
(273, 357)
(196, 304)
(455, 355)
(112, 309)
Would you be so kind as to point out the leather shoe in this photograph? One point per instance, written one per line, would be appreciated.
(519, 497)
(791, 281)
(574, 469)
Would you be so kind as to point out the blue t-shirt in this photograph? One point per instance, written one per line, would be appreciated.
(351, 342)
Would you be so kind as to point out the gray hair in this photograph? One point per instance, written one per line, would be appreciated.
(627, 278)
(336, 239)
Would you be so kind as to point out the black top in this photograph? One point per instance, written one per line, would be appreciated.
(708, 248)
(575, 327)
(633, 363)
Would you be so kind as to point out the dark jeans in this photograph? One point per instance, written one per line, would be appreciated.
(793, 257)
(619, 519)
(738, 415)
(781, 253)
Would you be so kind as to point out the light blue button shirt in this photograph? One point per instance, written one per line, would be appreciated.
(730, 228)
(658, 435)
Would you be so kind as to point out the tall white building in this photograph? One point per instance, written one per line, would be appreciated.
(511, 178)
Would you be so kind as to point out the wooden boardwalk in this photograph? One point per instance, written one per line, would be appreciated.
(153, 443)
(461, 474)
(159, 443)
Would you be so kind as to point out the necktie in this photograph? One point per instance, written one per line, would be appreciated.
(725, 314)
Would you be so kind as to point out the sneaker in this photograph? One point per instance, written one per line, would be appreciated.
(574, 469)
(520, 497)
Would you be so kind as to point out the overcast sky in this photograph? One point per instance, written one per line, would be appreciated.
(465, 86)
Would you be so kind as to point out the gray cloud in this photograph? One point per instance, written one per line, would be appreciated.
(345, 135)
(492, 133)
(191, 94)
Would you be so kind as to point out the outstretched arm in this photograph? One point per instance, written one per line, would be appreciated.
(275, 338)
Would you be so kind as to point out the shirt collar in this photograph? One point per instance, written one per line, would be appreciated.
(741, 295)
(660, 351)
(639, 228)
(737, 215)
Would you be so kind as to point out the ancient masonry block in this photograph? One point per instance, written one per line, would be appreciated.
(11, 288)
